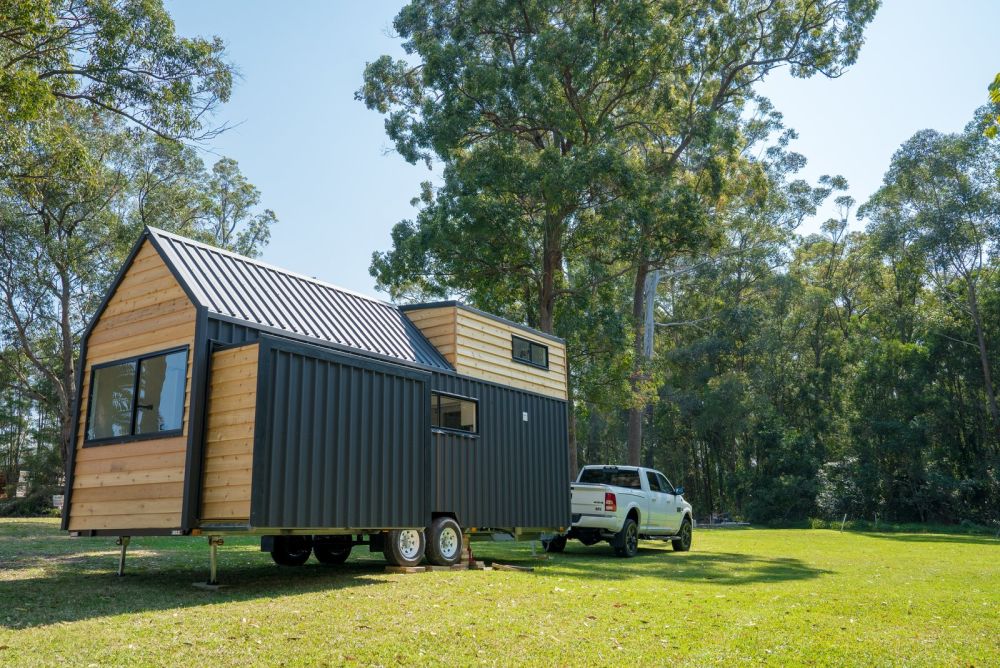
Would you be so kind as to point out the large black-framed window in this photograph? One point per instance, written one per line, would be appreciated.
(529, 352)
(137, 398)
(454, 413)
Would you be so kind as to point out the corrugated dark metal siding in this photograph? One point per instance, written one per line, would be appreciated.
(231, 332)
(515, 473)
(341, 441)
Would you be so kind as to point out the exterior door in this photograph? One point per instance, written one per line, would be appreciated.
(660, 505)
(672, 518)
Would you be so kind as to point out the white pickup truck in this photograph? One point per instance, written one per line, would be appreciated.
(621, 504)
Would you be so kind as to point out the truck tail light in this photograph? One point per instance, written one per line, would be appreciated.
(610, 502)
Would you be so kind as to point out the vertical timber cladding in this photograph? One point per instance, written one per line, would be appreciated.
(515, 472)
(229, 434)
(341, 441)
(138, 484)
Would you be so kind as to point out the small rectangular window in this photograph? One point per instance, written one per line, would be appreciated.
(160, 406)
(138, 397)
(458, 413)
(529, 352)
(111, 401)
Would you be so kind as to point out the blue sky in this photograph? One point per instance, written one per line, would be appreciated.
(323, 163)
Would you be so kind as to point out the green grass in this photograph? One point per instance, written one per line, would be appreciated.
(773, 597)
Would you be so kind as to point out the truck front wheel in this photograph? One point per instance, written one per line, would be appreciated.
(626, 543)
(683, 541)
(404, 547)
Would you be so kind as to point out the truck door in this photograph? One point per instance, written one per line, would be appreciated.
(659, 505)
(672, 518)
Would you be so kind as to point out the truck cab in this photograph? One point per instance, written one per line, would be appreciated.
(622, 504)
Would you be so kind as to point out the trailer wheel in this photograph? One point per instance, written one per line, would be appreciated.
(291, 550)
(404, 547)
(332, 550)
(554, 544)
(444, 542)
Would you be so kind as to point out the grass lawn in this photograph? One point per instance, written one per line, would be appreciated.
(773, 597)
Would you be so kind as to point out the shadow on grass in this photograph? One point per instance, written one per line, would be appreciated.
(722, 568)
(933, 538)
(64, 586)
(48, 579)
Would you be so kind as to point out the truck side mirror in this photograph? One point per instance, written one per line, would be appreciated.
(679, 491)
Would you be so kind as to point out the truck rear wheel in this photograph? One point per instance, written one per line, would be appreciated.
(404, 547)
(444, 542)
(291, 550)
(626, 543)
(332, 550)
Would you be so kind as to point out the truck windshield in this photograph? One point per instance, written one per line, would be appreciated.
(613, 477)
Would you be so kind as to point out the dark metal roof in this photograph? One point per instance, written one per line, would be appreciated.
(237, 287)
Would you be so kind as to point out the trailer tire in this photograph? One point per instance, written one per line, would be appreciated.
(332, 550)
(555, 544)
(291, 550)
(404, 547)
(444, 542)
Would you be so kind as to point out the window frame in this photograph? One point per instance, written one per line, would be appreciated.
(450, 430)
(515, 337)
(137, 359)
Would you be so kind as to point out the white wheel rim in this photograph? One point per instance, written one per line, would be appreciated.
(409, 543)
(448, 542)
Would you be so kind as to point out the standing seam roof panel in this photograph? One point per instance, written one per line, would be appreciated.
(259, 294)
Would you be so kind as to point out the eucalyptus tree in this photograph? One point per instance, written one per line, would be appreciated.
(941, 193)
(64, 232)
(546, 116)
(116, 56)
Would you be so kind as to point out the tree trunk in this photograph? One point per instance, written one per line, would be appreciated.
(574, 465)
(551, 266)
(984, 358)
(67, 394)
(636, 409)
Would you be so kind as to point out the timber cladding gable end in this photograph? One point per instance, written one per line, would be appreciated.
(135, 484)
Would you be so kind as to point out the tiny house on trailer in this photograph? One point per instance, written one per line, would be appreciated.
(220, 395)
